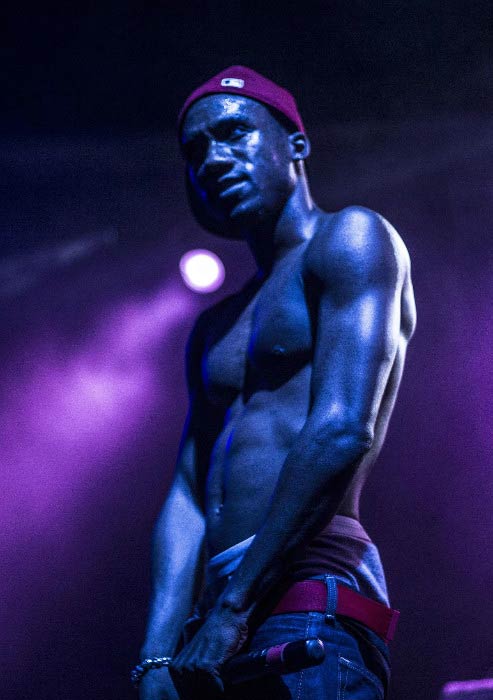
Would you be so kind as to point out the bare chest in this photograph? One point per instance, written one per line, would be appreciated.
(261, 341)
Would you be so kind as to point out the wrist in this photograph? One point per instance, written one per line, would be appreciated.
(157, 649)
(160, 641)
(146, 665)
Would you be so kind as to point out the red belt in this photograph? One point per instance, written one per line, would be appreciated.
(311, 596)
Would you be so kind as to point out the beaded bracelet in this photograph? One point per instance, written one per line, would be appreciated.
(141, 669)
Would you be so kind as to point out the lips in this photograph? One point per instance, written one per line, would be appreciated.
(229, 186)
(231, 189)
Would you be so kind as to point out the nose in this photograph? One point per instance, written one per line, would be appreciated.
(218, 159)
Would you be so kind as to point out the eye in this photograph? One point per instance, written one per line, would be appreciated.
(237, 133)
(231, 131)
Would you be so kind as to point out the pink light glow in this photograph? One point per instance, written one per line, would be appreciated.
(463, 688)
(202, 270)
(68, 415)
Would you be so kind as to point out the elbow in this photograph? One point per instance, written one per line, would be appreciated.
(351, 440)
(356, 442)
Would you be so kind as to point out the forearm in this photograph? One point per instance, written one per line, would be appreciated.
(310, 488)
(177, 546)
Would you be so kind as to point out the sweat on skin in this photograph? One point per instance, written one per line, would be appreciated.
(275, 444)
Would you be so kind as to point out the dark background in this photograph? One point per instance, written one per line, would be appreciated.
(397, 100)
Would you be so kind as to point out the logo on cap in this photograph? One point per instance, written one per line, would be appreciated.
(232, 82)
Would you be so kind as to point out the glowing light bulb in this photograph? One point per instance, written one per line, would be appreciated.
(202, 271)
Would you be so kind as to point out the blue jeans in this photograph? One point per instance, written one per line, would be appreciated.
(356, 665)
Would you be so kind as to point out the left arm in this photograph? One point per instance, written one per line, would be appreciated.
(358, 331)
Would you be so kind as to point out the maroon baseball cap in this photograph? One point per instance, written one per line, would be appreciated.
(239, 80)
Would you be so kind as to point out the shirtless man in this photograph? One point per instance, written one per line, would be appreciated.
(292, 382)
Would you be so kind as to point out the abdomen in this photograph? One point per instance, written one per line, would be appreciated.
(248, 457)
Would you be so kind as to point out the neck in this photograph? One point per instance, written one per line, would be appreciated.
(271, 240)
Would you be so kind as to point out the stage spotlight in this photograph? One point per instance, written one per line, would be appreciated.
(481, 689)
(202, 271)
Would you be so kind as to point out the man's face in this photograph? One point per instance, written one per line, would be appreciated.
(238, 159)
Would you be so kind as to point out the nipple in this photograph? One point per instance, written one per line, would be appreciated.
(278, 350)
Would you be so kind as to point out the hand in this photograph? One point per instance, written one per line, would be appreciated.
(157, 685)
(196, 669)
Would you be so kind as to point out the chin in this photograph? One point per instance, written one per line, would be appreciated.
(232, 222)
(249, 212)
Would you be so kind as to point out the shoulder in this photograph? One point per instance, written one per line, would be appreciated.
(357, 246)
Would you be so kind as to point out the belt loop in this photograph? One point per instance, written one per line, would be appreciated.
(330, 610)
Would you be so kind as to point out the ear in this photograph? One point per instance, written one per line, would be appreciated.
(299, 145)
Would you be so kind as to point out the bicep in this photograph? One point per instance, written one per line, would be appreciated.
(355, 347)
(360, 269)
(187, 465)
(203, 419)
